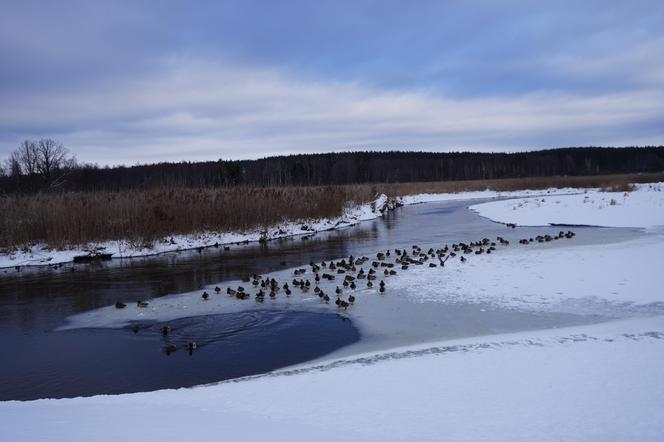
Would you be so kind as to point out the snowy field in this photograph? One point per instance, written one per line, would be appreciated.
(403, 381)
(41, 254)
(643, 207)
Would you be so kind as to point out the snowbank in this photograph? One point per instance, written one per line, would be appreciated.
(600, 382)
(643, 207)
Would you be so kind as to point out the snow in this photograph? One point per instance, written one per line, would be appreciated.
(41, 254)
(485, 194)
(600, 382)
(407, 379)
(643, 207)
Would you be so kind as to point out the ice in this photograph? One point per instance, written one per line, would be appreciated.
(561, 276)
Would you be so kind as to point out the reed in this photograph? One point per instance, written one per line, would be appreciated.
(142, 216)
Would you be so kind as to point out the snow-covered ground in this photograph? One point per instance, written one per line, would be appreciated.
(404, 380)
(592, 383)
(643, 207)
(41, 254)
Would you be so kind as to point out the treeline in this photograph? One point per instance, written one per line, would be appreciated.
(354, 168)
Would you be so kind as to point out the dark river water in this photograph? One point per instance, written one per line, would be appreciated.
(39, 362)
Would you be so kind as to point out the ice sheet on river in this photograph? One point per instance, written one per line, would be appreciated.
(612, 280)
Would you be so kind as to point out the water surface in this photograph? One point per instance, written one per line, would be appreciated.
(40, 362)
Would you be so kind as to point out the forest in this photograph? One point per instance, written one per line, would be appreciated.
(330, 169)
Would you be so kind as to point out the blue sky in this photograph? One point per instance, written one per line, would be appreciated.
(126, 82)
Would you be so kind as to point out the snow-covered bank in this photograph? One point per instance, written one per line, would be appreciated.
(643, 207)
(41, 254)
(484, 194)
(600, 382)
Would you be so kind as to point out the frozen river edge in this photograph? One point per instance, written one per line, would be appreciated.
(588, 382)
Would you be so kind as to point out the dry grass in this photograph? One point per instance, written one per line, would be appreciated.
(64, 219)
(616, 183)
(143, 216)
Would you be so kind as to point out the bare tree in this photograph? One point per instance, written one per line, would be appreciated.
(44, 163)
(27, 157)
(52, 160)
(13, 165)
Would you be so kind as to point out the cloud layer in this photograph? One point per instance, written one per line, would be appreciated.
(173, 98)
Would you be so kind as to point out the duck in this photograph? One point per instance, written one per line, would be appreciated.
(205, 296)
(217, 290)
(120, 305)
(351, 299)
(141, 304)
(369, 284)
(463, 259)
(170, 349)
(165, 330)
(338, 290)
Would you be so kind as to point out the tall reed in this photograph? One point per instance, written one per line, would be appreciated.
(65, 219)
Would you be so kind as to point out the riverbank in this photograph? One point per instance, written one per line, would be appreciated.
(42, 254)
(562, 383)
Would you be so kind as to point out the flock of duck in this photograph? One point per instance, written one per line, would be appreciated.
(350, 274)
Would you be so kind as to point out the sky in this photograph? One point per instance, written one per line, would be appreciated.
(126, 82)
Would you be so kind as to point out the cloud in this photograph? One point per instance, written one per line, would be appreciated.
(196, 109)
(124, 81)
